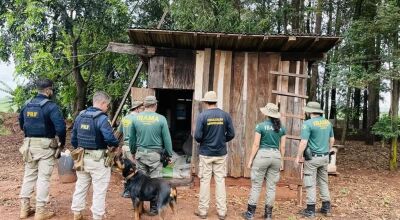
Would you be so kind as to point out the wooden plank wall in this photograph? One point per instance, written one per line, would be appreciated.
(244, 83)
(171, 72)
(141, 93)
(202, 69)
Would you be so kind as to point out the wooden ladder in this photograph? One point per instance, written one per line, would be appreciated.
(298, 98)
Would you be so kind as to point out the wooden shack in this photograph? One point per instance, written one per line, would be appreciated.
(246, 71)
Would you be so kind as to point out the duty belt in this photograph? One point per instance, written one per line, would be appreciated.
(270, 148)
(94, 154)
(149, 150)
(320, 155)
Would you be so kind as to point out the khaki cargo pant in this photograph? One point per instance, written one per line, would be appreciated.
(148, 161)
(97, 175)
(39, 162)
(267, 163)
(316, 172)
(209, 166)
(126, 152)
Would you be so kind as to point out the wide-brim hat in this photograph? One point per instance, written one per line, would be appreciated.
(210, 96)
(150, 100)
(313, 107)
(136, 104)
(271, 110)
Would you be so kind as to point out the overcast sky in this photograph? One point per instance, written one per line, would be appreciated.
(6, 75)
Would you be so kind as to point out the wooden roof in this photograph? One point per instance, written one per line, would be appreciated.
(234, 42)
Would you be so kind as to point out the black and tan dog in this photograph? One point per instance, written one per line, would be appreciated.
(143, 188)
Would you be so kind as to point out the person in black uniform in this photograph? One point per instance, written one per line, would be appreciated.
(41, 120)
(214, 128)
(93, 132)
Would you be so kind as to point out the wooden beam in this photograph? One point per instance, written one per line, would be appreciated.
(264, 40)
(289, 43)
(290, 74)
(293, 137)
(316, 40)
(132, 49)
(289, 94)
(296, 56)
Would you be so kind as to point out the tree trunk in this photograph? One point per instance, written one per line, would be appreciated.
(295, 11)
(80, 99)
(308, 23)
(285, 16)
(347, 117)
(327, 77)
(357, 106)
(338, 22)
(279, 17)
(394, 108)
(373, 110)
(314, 70)
(365, 111)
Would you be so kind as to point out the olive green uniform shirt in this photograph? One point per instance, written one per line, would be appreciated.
(150, 130)
(125, 126)
(317, 131)
(269, 138)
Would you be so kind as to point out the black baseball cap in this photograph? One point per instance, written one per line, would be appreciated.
(44, 83)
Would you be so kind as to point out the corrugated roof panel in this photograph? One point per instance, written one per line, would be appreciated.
(224, 41)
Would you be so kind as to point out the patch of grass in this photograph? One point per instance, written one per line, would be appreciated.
(344, 191)
(4, 131)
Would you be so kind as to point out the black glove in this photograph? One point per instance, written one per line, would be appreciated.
(330, 155)
(165, 159)
(60, 148)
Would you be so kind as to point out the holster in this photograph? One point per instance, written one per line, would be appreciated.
(307, 154)
(110, 156)
(25, 151)
(77, 156)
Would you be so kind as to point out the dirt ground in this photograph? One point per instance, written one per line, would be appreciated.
(365, 189)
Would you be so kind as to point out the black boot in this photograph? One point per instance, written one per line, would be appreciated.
(126, 193)
(249, 214)
(153, 208)
(326, 208)
(309, 212)
(268, 212)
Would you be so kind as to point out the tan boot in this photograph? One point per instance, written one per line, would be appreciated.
(43, 214)
(26, 209)
(78, 216)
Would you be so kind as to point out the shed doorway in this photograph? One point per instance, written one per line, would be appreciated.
(176, 106)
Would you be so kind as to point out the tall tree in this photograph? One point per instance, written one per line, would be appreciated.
(59, 39)
(314, 70)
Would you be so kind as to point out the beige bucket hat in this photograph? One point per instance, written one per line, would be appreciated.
(271, 110)
(210, 96)
(136, 104)
(150, 100)
(313, 107)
